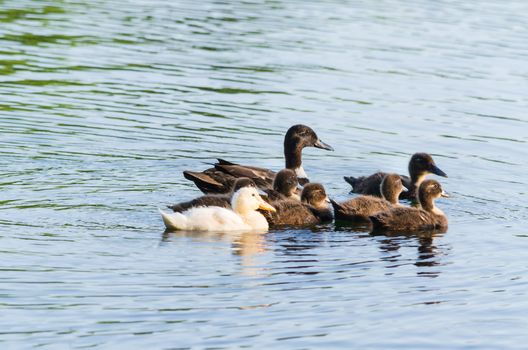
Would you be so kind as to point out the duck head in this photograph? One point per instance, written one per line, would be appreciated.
(315, 195)
(243, 182)
(298, 137)
(286, 182)
(247, 199)
(429, 191)
(391, 187)
(422, 164)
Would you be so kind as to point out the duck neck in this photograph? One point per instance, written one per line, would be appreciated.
(293, 154)
(417, 179)
(427, 204)
(255, 220)
(390, 196)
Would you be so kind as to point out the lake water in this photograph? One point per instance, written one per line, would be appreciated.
(104, 103)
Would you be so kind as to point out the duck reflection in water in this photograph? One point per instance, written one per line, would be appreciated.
(246, 245)
(428, 253)
(298, 248)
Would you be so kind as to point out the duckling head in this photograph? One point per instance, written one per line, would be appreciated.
(391, 187)
(243, 182)
(428, 192)
(315, 195)
(286, 182)
(247, 199)
(422, 164)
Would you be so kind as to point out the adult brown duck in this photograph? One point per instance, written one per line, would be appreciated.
(409, 219)
(360, 208)
(420, 165)
(221, 177)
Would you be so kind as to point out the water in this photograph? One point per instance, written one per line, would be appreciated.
(104, 103)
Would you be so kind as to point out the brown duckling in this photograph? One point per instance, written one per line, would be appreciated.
(429, 217)
(285, 186)
(220, 178)
(420, 165)
(312, 209)
(217, 200)
(360, 208)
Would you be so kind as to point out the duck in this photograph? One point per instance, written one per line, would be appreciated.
(312, 209)
(420, 165)
(242, 217)
(409, 219)
(360, 208)
(285, 186)
(220, 178)
(218, 200)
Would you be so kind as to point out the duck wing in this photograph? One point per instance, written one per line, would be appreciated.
(211, 180)
(366, 184)
(262, 177)
(211, 200)
(291, 213)
(403, 219)
(360, 208)
(322, 214)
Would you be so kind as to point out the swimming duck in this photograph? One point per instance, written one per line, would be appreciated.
(217, 200)
(243, 216)
(429, 217)
(360, 208)
(420, 165)
(220, 178)
(285, 186)
(312, 209)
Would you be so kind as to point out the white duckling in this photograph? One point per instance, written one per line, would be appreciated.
(244, 215)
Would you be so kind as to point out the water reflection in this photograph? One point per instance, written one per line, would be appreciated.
(428, 254)
(245, 245)
(390, 245)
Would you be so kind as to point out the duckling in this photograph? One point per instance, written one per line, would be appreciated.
(285, 185)
(420, 165)
(360, 208)
(217, 200)
(429, 217)
(220, 178)
(312, 209)
(243, 216)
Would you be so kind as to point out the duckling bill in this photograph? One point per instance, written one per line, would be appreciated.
(420, 165)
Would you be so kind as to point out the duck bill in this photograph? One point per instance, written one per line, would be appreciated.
(436, 170)
(320, 144)
(265, 206)
(444, 194)
(404, 189)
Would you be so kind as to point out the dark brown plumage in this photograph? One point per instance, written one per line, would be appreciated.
(312, 210)
(220, 178)
(285, 186)
(407, 219)
(420, 165)
(360, 208)
(216, 200)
